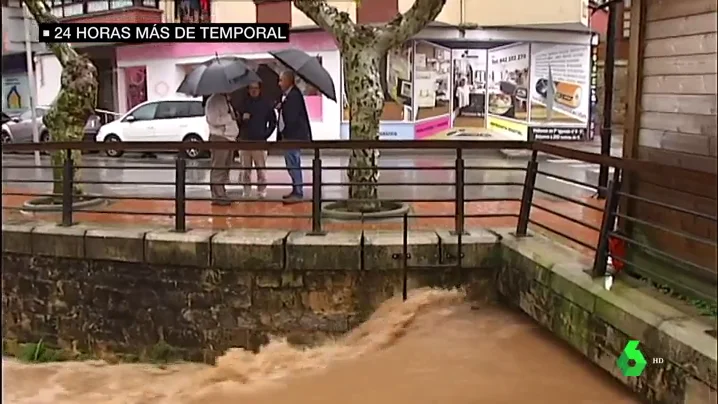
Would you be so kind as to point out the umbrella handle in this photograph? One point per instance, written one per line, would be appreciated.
(230, 109)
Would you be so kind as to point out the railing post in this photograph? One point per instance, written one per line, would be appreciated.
(405, 257)
(459, 213)
(527, 195)
(317, 194)
(68, 186)
(608, 224)
(180, 196)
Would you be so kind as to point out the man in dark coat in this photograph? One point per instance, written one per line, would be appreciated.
(258, 123)
(293, 126)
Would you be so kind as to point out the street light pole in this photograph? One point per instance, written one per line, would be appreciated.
(31, 78)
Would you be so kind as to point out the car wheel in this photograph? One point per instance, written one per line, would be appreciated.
(45, 138)
(112, 152)
(6, 138)
(193, 153)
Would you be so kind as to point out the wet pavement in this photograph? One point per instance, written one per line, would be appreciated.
(428, 191)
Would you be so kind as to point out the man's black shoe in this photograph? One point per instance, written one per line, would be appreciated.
(293, 198)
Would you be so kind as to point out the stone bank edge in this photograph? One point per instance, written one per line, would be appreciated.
(251, 249)
(541, 277)
(547, 281)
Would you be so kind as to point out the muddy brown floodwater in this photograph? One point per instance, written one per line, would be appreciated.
(431, 349)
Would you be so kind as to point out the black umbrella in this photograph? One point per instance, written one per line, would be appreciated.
(219, 75)
(309, 69)
(270, 84)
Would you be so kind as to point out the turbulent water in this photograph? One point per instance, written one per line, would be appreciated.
(431, 349)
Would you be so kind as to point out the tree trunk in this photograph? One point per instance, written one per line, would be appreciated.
(362, 48)
(75, 103)
(366, 103)
(68, 116)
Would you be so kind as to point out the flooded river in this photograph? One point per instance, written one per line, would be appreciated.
(432, 349)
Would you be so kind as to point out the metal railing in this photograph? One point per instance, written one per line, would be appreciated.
(529, 197)
(106, 116)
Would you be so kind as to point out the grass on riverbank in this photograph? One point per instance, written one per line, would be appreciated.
(40, 352)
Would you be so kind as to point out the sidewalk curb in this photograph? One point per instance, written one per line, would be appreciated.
(410, 153)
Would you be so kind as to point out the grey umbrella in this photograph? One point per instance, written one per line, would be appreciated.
(309, 69)
(219, 75)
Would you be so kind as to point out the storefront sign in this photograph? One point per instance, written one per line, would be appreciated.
(387, 131)
(15, 93)
(508, 128)
(461, 134)
(430, 127)
(593, 109)
(556, 133)
(560, 76)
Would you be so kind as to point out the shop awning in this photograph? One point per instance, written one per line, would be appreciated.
(458, 37)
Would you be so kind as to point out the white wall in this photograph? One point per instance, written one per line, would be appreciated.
(47, 78)
(167, 74)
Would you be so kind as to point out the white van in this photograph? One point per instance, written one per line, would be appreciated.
(178, 119)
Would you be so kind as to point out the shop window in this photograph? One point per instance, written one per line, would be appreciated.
(135, 86)
(431, 84)
(396, 81)
(469, 77)
(193, 11)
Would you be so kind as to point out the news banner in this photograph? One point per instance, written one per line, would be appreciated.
(144, 33)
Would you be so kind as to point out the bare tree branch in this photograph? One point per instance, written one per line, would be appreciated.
(408, 24)
(327, 17)
(41, 12)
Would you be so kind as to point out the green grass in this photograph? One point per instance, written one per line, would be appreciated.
(35, 352)
(704, 307)
(39, 352)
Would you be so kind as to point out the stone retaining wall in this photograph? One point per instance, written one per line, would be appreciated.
(125, 290)
(201, 292)
(546, 281)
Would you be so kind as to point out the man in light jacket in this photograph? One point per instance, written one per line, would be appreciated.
(222, 128)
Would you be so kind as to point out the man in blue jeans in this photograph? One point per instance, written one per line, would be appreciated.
(293, 125)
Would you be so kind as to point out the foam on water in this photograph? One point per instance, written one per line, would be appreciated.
(430, 349)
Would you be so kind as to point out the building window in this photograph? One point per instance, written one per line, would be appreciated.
(626, 23)
(72, 8)
(11, 3)
(193, 11)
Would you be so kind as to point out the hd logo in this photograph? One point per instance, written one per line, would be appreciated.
(631, 362)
